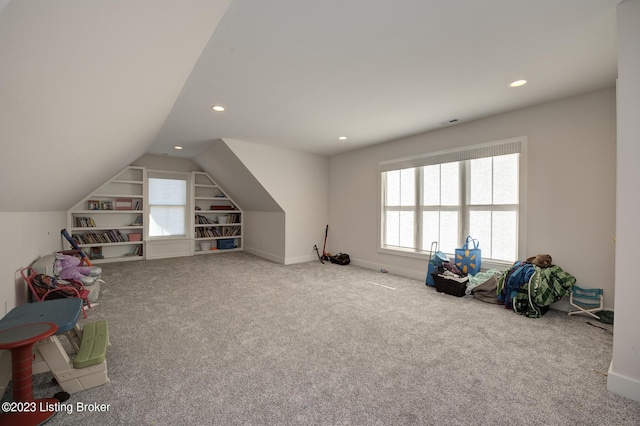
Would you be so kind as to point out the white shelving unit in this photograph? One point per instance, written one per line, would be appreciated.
(108, 223)
(217, 219)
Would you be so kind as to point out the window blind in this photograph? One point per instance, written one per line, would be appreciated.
(494, 149)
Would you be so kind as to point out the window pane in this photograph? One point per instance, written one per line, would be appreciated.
(480, 229)
(401, 187)
(504, 239)
(480, 177)
(406, 230)
(167, 191)
(392, 190)
(441, 227)
(392, 229)
(497, 233)
(167, 207)
(505, 179)
(448, 231)
(399, 226)
(166, 220)
(450, 187)
(430, 229)
(431, 185)
(408, 187)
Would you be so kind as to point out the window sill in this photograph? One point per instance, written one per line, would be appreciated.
(500, 265)
(168, 237)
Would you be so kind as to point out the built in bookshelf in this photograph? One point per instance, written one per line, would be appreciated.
(217, 218)
(109, 224)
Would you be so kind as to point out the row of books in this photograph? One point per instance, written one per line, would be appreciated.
(88, 222)
(84, 222)
(233, 218)
(203, 220)
(137, 251)
(228, 218)
(227, 231)
(110, 236)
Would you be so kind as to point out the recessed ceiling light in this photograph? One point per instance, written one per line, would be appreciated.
(518, 83)
(342, 138)
(217, 108)
(177, 147)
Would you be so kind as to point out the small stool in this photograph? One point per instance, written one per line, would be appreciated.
(19, 340)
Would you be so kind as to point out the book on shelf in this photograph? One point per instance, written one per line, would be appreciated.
(105, 237)
(96, 253)
(204, 220)
(84, 222)
(138, 221)
(124, 204)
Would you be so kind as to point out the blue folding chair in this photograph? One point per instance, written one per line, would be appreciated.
(586, 300)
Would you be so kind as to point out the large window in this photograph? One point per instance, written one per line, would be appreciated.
(446, 196)
(167, 206)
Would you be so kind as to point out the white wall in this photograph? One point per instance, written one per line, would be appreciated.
(570, 194)
(27, 236)
(298, 182)
(263, 224)
(161, 162)
(264, 235)
(624, 373)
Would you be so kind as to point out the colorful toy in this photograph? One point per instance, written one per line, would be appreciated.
(68, 267)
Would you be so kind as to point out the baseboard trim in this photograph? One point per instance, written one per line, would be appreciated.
(299, 259)
(265, 255)
(407, 273)
(622, 385)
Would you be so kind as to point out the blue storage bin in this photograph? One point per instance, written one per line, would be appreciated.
(226, 244)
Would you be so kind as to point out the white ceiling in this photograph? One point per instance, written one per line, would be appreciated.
(87, 87)
(299, 74)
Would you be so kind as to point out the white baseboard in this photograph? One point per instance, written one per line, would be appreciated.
(407, 273)
(265, 255)
(299, 259)
(622, 385)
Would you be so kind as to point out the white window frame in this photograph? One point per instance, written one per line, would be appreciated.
(463, 153)
(159, 174)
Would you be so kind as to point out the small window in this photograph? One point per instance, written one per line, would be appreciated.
(167, 206)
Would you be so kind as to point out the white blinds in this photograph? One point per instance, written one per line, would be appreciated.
(505, 147)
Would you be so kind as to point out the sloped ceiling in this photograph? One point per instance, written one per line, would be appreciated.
(299, 74)
(85, 87)
(237, 181)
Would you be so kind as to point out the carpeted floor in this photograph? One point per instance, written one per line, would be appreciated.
(230, 339)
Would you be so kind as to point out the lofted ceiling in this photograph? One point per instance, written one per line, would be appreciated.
(87, 87)
(299, 74)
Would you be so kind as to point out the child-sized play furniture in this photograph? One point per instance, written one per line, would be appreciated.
(88, 368)
(56, 289)
(89, 343)
(586, 301)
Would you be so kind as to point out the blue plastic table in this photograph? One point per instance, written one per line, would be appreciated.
(62, 312)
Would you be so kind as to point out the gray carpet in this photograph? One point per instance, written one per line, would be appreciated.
(231, 339)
